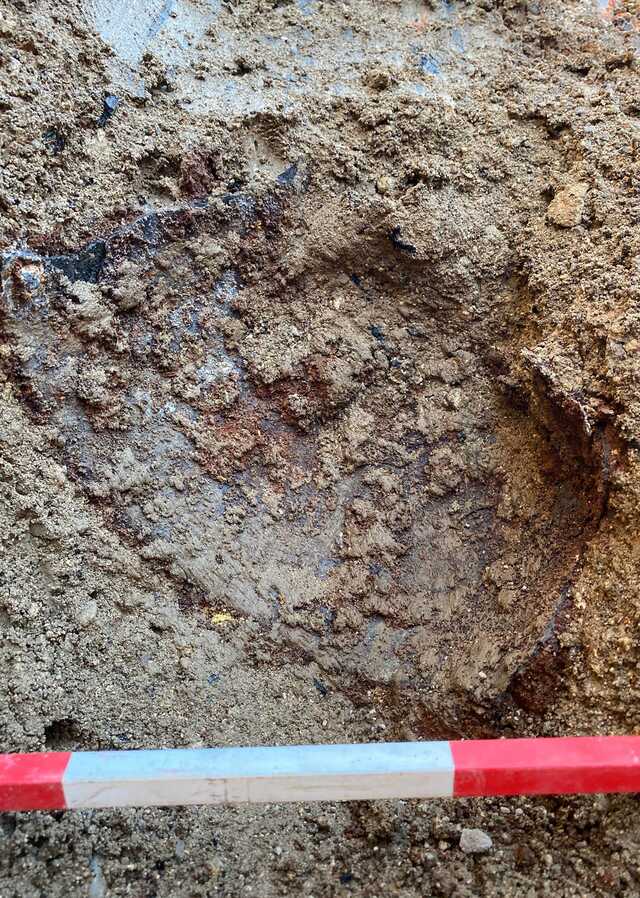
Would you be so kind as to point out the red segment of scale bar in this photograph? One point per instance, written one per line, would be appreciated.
(33, 782)
(546, 766)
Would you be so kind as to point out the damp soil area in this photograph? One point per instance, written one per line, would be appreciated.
(337, 453)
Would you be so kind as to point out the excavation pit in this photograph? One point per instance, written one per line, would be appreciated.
(333, 444)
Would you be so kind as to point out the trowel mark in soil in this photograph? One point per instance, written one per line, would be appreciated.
(312, 454)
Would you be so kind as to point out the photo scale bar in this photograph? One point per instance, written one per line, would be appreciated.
(148, 778)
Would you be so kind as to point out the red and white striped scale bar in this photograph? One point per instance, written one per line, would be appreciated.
(60, 780)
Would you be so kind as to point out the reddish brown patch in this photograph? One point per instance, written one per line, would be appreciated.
(198, 171)
(225, 447)
(313, 385)
(537, 682)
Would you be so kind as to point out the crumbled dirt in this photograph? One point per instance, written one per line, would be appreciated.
(319, 422)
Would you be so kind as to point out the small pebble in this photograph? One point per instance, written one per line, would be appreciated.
(378, 79)
(86, 614)
(109, 106)
(98, 885)
(475, 841)
(566, 208)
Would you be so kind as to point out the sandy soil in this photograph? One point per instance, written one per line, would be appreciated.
(319, 372)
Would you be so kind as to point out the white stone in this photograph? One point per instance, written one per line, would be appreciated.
(475, 841)
(87, 613)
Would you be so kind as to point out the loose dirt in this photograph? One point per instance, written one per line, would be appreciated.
(319, 361)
